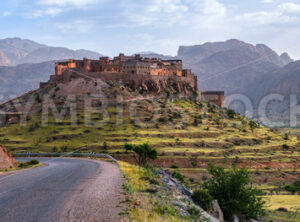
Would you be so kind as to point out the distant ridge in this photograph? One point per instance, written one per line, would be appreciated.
(15, 51)
(230, 65)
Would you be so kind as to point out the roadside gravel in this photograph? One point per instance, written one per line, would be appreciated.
(99, 197)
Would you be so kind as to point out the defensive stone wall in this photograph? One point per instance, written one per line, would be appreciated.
(214, 97)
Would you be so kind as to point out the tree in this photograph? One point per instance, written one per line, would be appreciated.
(105, 146)
(128, 147)
(233, 192)
(143, 153)
(203, 199)
(231, 113)
(253, 125)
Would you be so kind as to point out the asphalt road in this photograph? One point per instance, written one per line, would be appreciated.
(42, 194)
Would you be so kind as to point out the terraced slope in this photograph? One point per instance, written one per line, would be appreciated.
(186, 134)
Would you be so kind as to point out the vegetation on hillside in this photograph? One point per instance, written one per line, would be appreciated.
(234, 192)
(185, 133)
(143, 205)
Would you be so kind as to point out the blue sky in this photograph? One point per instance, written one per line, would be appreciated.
(113, 26)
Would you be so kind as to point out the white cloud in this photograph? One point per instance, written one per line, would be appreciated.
(282, 14)
(67, 2)
(172, 12)
(43, 12)
(77, 26)
(265, 18)
(5, 14)
(213, 7)
(289, 7)
(267, 1)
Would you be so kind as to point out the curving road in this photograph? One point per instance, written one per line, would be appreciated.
(62, 190)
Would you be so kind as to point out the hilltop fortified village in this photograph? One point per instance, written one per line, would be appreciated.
(128, 69)
(134, 69)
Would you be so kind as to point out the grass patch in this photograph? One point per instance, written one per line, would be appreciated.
(151, 207)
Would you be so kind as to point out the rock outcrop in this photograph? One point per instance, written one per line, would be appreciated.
(183, 200)
(6, 161)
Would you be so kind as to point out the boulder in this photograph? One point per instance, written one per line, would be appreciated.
(235, 218)
(13, 120)
(282, 209)
(216, 211)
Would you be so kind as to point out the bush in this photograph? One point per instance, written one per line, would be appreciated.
(194, 164)
(285, 147)
(231, 113)
(194, 212)
(203, 199)
(253, 125)
(128, 147)
(293, 188)
(234, 193)
(37, 98)
(34, 162)
(105, 146)
(174, 167)
(28, 163)
(178, 176)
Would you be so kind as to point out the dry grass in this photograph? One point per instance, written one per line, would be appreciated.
(290, 202)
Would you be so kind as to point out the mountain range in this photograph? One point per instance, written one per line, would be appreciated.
(15, 51)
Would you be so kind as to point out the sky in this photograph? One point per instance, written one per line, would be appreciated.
(131, 26)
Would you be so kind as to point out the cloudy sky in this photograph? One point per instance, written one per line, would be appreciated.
(113, 26)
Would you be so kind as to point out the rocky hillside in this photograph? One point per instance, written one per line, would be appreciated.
(83, 86)
(14, 51)
(6, 161)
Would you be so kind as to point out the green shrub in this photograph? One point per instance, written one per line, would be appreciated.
(105, 146)
(37, 98)
(194, 164)
(244, 122)
(33, 162)
(293, 188)
(174, 167)
(234, 192)
(194, 212)
(231, 113)
(178, 176)
(203, 199)
(128, 147)
(285, 147)
(164, 209)
(253, 125)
